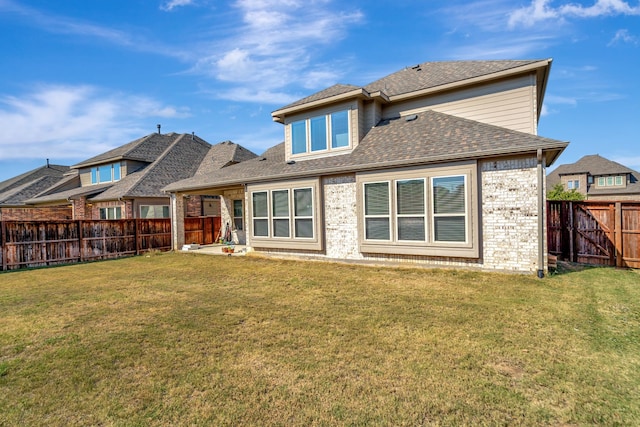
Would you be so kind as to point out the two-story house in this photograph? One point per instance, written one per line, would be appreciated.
(597, 178)
(437, 164)
(127, 182)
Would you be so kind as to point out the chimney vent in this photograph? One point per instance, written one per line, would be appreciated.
(47, 163)
(193, 134)
(158, 128)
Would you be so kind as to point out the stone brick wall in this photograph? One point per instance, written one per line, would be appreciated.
(36, 214)
(510, 214)
(340, 216)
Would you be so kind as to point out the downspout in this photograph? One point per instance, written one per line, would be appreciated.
(541, 202)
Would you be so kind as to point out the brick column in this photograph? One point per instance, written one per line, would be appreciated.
(177, 221)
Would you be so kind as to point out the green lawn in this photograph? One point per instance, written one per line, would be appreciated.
(183, 339)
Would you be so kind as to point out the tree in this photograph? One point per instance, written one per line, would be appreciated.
(559, 193)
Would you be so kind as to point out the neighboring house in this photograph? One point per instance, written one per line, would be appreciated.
(127, 182)
(598, 179)
(16, 191)
(437, 164)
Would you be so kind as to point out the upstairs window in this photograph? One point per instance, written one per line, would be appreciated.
(611, 181)
(573, 184)
(321, 133)
(105, 173)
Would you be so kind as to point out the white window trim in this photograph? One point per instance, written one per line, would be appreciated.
(329, 143)
(470, 248)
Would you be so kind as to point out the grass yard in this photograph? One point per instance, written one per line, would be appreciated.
(184, 339)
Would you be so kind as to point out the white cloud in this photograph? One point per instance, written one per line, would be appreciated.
(169, 5)
(623, 36)
(274, 47)
(73, 121)
(542, 10)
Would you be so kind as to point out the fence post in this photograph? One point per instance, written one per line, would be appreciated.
(572, 236)
(619, 250)
(136, 234)
(80, 239)
(3, 245)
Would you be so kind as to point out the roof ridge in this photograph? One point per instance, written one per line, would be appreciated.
(147, 170)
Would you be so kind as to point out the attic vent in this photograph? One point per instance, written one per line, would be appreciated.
(411, 118)
(264, 158)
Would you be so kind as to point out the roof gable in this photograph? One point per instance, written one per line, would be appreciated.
(145, 149)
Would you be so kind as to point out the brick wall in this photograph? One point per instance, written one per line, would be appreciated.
(193, 206)
(36, 214)
(510, 214)
(341, 221)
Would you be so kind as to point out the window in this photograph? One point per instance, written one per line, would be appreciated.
(111, 213)
(321, 133)
(449, 210)
(154, 211)
(285, 216)
(573, 184)
(610, 181)
(377, 211)
(105, 173)
(428, 211)
(237, 215)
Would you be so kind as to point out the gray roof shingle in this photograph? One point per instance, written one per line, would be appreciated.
(145, 149)
(15, 191)
(427, 75)
(431, 138)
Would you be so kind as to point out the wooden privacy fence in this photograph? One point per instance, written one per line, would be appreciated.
(600, 233)
(38, 243)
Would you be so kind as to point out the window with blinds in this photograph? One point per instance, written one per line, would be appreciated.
(419, 211)
(274, 212)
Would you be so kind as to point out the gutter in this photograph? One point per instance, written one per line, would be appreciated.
(541, 202)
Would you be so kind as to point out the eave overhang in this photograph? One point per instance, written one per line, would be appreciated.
(279, 115)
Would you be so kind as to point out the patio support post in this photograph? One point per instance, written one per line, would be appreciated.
(177, 221)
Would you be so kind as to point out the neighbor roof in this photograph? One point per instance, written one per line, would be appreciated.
(431, 137)
(596, 165)
(145, 149)
(15, 191)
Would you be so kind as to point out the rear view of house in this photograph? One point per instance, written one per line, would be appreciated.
(436, 164)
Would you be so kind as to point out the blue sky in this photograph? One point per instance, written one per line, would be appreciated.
(80, 77)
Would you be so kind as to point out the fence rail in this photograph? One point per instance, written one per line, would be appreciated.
(601, 233)
(28, 244)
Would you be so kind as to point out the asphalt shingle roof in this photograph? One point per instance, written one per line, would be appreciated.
(15, 191)
(145, 149)
(427, 75)
(179, 160)
(431, 137)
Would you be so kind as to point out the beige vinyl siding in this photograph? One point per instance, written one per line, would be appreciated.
(85, 177)
(508, 103)
(371, 116)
